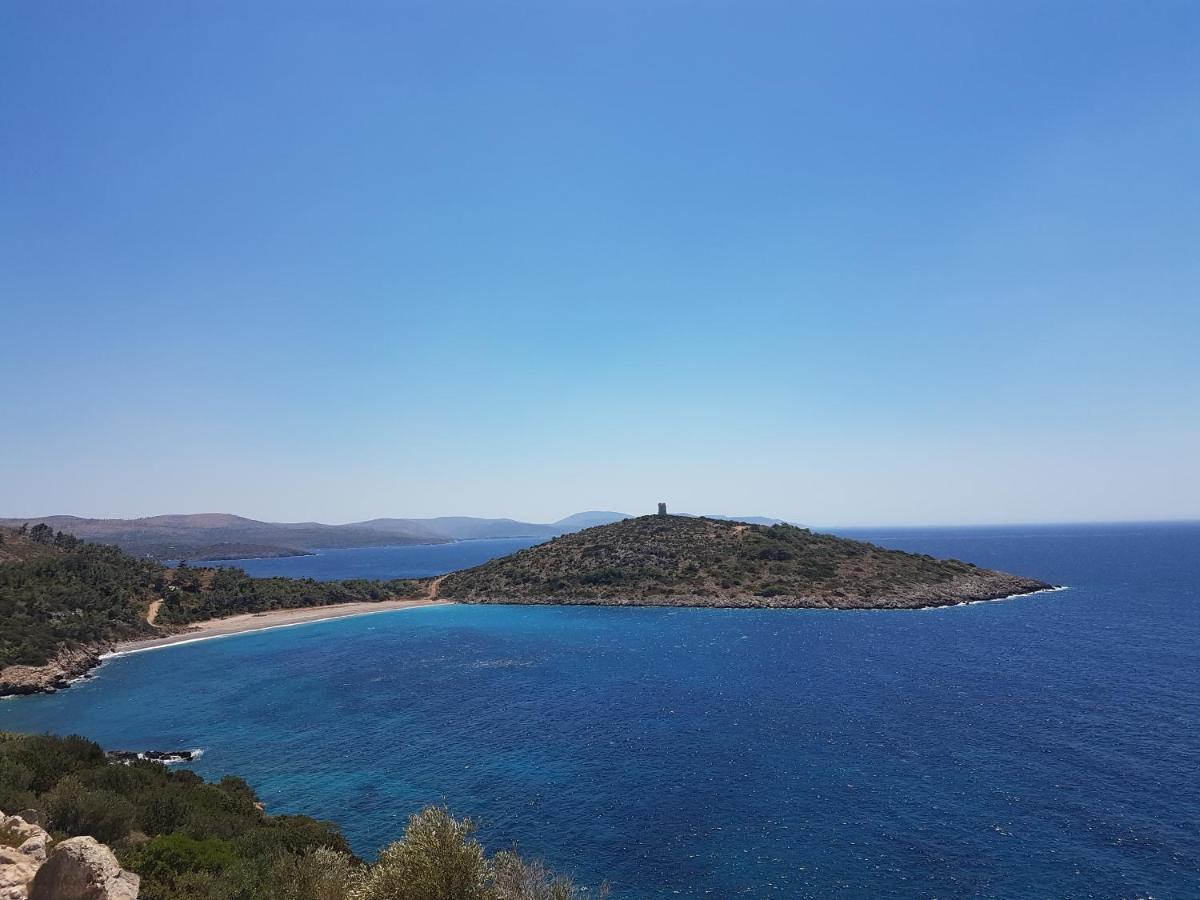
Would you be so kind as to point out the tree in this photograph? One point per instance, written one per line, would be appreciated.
(438, 859)
(42, 533)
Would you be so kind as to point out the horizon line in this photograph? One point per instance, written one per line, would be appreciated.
(1015, 523)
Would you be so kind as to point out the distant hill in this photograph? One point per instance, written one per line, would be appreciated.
(589, 519)
(750, 520)
(220, 536)
(16, 545)
(686, 561)
(207, 536)
(465, 528)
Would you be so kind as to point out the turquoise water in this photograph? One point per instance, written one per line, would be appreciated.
(1046, 746)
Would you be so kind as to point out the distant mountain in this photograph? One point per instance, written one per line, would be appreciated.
(751, 520)
(206, 536)
(221, 536)
(466, 528)
(589, 519)
(471, 528)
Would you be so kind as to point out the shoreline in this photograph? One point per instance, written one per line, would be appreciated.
(247, 623)
(80, 663)
(1053, 589)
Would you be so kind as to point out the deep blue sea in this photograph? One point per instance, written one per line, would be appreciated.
(1041, 747)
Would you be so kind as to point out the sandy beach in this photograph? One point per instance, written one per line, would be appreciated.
(278, 618)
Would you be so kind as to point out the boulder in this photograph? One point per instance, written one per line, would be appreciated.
(34, 846)
(16, 873)
(29, 837)
(81, 868)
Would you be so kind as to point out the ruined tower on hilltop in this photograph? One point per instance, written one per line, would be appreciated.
(662, 509)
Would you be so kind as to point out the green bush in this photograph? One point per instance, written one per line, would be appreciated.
(192, 840)
(438, 859)
(75, 809)
(168, 856)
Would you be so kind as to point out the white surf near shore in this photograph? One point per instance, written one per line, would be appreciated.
(251, 628)
(1049, 590)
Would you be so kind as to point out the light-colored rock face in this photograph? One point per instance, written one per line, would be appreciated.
(16, 873)
(81, 868)
(67, 665)
(19, 864)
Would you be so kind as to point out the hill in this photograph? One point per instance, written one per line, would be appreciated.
(207, 536)
(685, 561)
(16, 545)
(63, 602)
(466, 528)
(220, 536)
(588, 519)
(470, 528)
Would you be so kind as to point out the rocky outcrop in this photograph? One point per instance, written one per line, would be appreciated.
(23, 849)
(166, 757)
(79, 868)
(69, 664)
(16, 874)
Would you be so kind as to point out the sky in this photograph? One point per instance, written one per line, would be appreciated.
(844, 263)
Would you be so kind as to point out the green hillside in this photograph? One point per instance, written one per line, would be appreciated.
(684, 561)
(58, 593)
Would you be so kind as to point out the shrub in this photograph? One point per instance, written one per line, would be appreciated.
(167, 856)
(514, 878)
(438, 859)
(101, 814)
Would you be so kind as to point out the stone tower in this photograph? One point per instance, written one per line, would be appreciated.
(662, 509)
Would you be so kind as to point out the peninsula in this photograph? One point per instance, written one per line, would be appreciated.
(665, 560)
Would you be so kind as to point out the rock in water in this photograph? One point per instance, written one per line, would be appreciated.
(81, 868)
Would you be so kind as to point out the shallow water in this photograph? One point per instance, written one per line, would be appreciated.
(1040, 747)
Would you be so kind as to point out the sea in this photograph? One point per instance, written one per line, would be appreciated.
(1045, 746)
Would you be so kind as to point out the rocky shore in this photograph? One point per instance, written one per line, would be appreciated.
(70, 664)
(969, 589)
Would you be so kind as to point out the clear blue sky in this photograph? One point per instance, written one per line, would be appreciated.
(847, 263)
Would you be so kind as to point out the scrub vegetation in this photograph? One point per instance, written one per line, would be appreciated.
(685, 561)
(193, 840)
(58, 592)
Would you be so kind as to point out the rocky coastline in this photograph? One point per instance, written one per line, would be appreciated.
(968, 589)
(67, 666)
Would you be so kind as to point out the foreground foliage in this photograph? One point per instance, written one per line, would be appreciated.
(192, 840)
